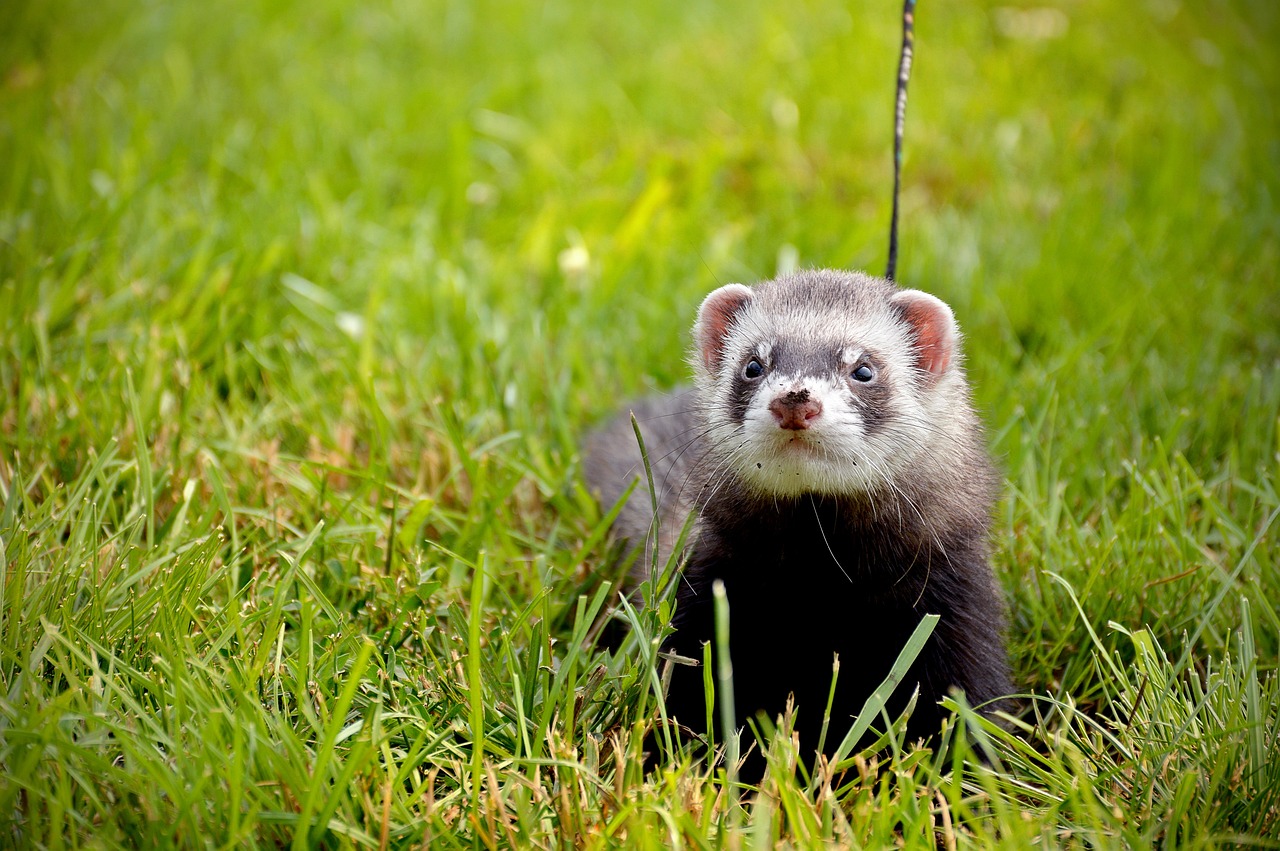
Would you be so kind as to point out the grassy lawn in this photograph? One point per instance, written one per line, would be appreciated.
(305, 309)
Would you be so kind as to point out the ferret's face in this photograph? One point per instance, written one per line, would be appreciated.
(819, 390)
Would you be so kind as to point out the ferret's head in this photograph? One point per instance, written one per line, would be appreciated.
(828, 383)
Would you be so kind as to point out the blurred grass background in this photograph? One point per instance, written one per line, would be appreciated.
(305, 307)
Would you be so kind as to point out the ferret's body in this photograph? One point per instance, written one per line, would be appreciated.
(841, 489)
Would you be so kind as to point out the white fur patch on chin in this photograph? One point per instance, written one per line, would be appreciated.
(778, 462)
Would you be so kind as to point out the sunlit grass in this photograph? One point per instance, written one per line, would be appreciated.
(304, 311)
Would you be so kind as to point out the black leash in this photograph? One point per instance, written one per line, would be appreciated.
(899, 119)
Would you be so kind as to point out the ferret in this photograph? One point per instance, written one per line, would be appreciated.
(841, 489)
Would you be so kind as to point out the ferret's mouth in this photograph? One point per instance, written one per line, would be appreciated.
(798, 443)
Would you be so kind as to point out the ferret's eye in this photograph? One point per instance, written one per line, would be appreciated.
(753, 369)
(864, 372)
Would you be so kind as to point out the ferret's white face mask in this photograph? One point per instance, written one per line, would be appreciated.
(824, 396)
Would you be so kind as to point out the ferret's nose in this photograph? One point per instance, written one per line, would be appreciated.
(795, 410)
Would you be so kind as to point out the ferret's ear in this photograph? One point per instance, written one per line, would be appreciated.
(715, 318)
(935, 330)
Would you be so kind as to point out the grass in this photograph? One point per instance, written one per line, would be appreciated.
(305, 309)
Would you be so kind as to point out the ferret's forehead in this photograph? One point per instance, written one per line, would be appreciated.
(824, 327)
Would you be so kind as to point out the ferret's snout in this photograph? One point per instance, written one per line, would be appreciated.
(795, 410)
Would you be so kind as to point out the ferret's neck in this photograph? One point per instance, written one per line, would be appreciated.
(743, 513)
